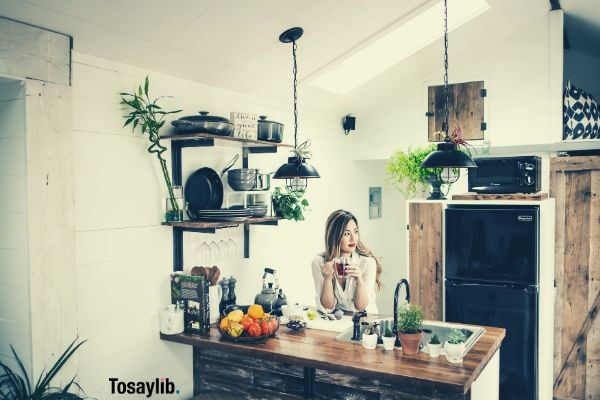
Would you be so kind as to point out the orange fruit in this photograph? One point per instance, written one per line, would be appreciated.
(256, 311)
(224, 324)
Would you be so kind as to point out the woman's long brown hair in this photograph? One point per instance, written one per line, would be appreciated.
(334, 230)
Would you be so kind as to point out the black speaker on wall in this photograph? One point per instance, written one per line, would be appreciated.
(349, 123)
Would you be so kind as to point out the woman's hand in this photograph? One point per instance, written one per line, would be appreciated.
(327, 269)
(354, 270)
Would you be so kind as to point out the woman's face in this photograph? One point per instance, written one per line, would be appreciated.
(349, 238)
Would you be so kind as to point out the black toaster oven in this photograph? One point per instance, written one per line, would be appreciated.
(506, 175)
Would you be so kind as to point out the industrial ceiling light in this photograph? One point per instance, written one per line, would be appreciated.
(296, 171)
(447, 157)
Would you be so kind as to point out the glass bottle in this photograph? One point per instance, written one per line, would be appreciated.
(171, 214)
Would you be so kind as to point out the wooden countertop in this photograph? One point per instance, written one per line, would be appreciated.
(319, 349)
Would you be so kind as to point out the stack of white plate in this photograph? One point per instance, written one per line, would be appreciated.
(224, 214)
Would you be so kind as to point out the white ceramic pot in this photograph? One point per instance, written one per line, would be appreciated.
(434, 350)
(454, 352)
(369, 341)
(388, 342)
(214, 298)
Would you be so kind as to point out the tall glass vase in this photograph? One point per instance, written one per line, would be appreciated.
(173, 214)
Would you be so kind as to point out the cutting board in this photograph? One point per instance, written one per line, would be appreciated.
(337, 325)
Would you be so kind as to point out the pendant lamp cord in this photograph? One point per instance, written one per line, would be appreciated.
(446, 91)
(295, 96)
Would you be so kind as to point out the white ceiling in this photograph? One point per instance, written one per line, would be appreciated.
(233, 44)
(582, 24)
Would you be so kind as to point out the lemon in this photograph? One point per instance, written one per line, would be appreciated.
(235, 315)
(311, 314)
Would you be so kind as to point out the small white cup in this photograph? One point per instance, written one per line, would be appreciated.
(369, 341)
(388, 342)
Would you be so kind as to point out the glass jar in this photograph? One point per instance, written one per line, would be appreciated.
(172, 214)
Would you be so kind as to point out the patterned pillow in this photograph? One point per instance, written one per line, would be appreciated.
(581, 114)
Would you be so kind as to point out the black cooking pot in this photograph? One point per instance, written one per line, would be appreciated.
(269, 130)
(204, 123)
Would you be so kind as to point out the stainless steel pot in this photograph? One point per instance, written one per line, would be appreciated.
(269, 130)
(263, 182)
(204, 123)
(242, 178)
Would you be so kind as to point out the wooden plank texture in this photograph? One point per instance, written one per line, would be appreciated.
(575, 163)
(319, 349)
(557, 191)
(425, 257)
(592, 387)
(512, 196)
(465, 110)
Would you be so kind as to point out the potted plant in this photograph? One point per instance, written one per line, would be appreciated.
(149, 116)
(409, 328)
(289, 205)
(405, 172)
(434, 346)
(388, 339)
(18, 386)
(455, 346)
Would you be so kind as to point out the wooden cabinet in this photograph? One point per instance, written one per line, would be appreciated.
(575, 185)
(425, 255)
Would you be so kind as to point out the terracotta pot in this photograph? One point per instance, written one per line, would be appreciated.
(410, 342)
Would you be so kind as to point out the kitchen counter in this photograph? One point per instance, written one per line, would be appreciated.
(311, 363)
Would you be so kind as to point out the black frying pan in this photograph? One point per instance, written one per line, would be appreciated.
(203, 191)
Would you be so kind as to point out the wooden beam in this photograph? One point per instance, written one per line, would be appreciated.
(576, 163)
(579, 341)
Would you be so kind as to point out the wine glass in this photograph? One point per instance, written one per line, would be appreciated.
(205, 251)
(222, 249)
(231, 247)
(214, 249)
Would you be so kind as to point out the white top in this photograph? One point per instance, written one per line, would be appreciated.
(345, 297)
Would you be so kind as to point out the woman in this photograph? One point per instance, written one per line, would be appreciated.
(355, 290)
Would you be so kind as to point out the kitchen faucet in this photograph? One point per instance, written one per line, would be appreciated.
(396, 293)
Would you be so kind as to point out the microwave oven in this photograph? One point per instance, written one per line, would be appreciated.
(506, 175)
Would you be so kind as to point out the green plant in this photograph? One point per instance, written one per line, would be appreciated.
(405, 172)
(290, 205)
(410, 319)
(15, 386)
(434, 340)
(456, 336)
(149, 116)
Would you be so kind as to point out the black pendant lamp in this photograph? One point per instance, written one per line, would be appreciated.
(296, 171)
(447, 157)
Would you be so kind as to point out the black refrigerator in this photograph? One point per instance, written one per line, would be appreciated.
(491, 272)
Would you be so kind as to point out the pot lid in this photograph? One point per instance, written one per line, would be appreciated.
(263, 119)
(204, 117)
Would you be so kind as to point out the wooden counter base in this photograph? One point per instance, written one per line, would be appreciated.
(313, 364)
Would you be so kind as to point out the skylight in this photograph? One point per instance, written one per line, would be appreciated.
(403, 39)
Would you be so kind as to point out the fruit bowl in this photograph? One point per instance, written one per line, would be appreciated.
(238, 326)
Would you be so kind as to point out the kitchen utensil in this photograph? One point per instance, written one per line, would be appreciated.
(230, 164)
(269, 130)
(199, 271)
(214, 275)
(296, 325)
(171, 320)
(263, 181)
(204, 123)
(203, 190)
(270, 297)
(242, 178)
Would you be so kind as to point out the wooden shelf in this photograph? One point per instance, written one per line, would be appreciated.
(512, 196)
(243, 142)
(206, 225)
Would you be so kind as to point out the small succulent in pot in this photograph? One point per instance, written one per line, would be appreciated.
(388, 339)
(455, 346)
(434, 346)
(409, 328)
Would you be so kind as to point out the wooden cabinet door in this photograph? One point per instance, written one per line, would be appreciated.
(575, 185)
(425, 257)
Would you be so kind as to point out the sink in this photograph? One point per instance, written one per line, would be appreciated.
(430, 328)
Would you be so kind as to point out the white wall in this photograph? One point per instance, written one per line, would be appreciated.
(124, 255)
(15, 323)
(582, 70)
